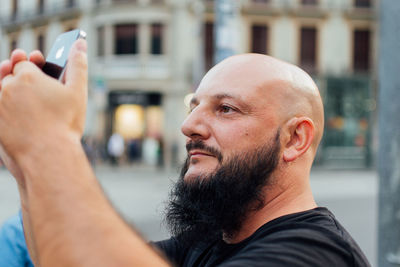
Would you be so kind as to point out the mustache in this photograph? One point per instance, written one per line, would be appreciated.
(198, 144)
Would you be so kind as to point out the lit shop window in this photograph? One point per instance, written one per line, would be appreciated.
(154, 121)
(129, 121)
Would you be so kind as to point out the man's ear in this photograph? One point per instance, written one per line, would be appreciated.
(301, 135)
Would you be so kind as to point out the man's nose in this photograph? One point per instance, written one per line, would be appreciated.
(196, 125)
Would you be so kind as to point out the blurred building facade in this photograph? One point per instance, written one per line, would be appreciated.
(147, 55)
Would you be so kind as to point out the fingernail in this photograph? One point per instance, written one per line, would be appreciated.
(16, 50)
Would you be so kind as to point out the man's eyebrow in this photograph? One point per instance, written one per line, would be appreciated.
(222, 96)
(238, 99)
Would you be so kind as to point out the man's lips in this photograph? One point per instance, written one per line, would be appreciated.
(200, 153)
(197, 149)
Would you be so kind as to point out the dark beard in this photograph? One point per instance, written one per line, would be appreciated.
(204, 208)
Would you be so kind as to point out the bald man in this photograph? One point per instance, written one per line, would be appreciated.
(243, 197)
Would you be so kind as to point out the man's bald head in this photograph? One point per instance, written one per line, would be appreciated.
(291, 91)
(251, 136)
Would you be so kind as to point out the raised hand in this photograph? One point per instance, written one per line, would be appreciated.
(35, 108)
(6, 68)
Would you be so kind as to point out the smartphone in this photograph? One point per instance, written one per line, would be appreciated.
(56, 60)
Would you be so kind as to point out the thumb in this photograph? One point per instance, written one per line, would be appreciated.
(76, 75)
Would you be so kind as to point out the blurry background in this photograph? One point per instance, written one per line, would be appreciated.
(147, 57)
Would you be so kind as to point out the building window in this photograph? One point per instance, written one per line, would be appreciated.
(209, 45)
(14, 9)
(40, 6)
(70, 3)
(157, 39)
(126, 39)
(259, 37)
(362, 3)
(261, 1)
(308, 48)
(361, 50)
(124, 1)
(309, 2)
(41, 42)
(347, 117)
(100, 41)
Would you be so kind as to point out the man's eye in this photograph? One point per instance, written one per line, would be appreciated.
(226, 109)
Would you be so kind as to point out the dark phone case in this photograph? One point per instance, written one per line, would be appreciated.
(52, 70)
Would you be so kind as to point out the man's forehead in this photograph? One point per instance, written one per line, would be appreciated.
(238, 78)
(219, 87)
(243, 89)
(253, 66)
(251, 78)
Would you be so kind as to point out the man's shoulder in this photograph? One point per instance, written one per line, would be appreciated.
(309, 238)
(313, 236)
(304, 229)
(318, 219)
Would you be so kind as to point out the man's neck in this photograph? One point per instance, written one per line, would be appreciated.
(285, 202)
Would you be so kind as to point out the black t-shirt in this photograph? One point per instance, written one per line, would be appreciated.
(309, 238)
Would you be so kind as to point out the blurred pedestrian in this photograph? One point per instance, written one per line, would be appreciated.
(150, 150)
(134, 150)
(115, 148)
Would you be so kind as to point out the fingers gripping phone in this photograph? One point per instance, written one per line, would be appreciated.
(56, 60)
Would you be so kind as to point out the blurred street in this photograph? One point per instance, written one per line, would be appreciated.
(140, 194)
